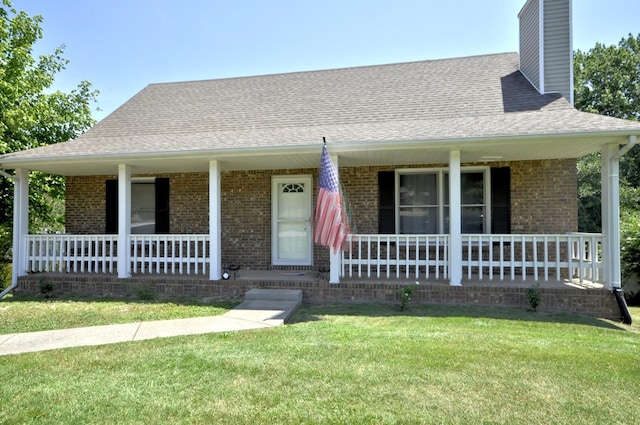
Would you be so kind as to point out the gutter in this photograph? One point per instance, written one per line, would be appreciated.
(338, 147)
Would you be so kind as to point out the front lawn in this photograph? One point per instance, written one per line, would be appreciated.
(337, 364)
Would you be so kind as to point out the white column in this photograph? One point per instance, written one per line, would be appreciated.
(215, 227)
(124, 221)
(20, 223)
(335, 259)
(610, 181)
(455, 221)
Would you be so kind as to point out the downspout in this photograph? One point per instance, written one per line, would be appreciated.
(617, 291)
(626, 148)
(6, 175)
(13, 284)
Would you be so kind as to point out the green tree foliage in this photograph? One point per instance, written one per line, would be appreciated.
(34, 115)
(607, 82)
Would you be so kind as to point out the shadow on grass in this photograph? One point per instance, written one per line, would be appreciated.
(310, 313)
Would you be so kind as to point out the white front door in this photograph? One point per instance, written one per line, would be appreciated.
(291, 220)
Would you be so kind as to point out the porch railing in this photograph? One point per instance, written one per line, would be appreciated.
(408, 256)
(163, 254)
(169, 254)
(72, 253)
(491, 257)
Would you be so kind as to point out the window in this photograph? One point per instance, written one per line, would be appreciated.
(143, 207)
(416, 201)
(149, 206)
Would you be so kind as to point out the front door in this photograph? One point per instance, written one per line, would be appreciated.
(291, 220)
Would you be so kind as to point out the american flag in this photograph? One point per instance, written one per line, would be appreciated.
(331, 220)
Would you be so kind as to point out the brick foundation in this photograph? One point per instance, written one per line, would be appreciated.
(593, 302)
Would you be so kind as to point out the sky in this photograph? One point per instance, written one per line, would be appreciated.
(121, 46)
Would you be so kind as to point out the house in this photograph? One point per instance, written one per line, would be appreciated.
(457, 170)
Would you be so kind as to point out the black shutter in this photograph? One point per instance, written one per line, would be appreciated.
(162, 205)
(111, 202)
(501, 200)
(386, 202)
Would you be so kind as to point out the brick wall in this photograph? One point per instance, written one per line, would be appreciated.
(189, 203)
(594, 302)
(85, 204)
(543, 200)
(544, 196)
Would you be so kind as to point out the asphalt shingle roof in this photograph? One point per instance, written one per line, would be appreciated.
(470, 97)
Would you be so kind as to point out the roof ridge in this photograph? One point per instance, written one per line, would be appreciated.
(317, 71)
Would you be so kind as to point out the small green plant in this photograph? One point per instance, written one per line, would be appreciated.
(144, 292)
(45, 286)
(534, 296)
(5, 274)
(405, 294)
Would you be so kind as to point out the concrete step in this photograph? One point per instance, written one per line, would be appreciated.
(270, 306)
(273, 295)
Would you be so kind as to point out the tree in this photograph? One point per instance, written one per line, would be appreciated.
(32, 115)
(607, 82)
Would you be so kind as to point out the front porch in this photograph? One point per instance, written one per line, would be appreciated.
(496, 270)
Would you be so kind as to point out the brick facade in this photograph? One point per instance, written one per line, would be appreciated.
(543, 200)
(594, 302)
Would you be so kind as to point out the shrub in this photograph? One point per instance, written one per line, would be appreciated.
(534, 296)
(5, 274)
(45, 286)
(144, 292)
(405, 294)
(630, 252)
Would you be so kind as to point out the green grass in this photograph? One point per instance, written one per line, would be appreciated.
(359, 364)
(29, 313)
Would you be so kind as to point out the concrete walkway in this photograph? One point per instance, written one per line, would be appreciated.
(262, 308)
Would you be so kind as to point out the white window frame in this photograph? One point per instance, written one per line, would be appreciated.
(440, 172)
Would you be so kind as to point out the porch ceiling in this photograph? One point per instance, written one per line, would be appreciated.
(349, 155)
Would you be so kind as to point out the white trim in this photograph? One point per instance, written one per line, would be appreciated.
(215, 226)
(571, 91)
(440, 171)
(307, 179)
(455, 220)
(124, 220)
(541, 45)
(335, 258)
(610, 180)
(143, 179)
(20, 224)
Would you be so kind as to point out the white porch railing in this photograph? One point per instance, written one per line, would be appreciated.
(491, 257)
(511, 257)
(163, 254)
(537, 257)
(409, 256)
(169, 254)
(72, 253)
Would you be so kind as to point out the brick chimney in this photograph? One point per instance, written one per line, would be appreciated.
(546, 50)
